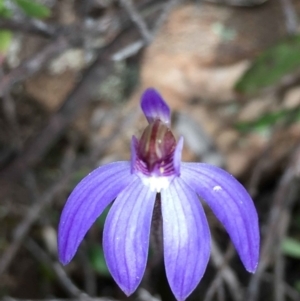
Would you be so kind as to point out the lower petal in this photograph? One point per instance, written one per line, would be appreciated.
(87, 201)
(186, 238)
(231, 204)
(126, 235)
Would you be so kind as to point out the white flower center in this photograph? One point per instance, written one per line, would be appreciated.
(157, 183)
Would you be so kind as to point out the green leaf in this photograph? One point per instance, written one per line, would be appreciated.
(267, 120)
(33, 9)
(271, 66)
(5, 12)
(5, 40)
(261, 123)
(96, 257)
(291, 247)
(46, 272)
(297, 285)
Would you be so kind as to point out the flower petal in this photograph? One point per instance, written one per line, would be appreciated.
(86, 203)
(133, 148)
(126, 235)
(231, 204)
(186, 238)
(177, 156)
(154, 107)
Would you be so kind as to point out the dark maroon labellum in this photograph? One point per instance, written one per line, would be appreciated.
(156, 145)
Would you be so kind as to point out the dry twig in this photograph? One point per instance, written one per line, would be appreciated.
(90, 277)
(33, 64)
(22, 229)
(284, 198)
(225, 273)
(9, 110)
(32, 26)
(291, 292)
(33, 214)
(60, 273)
(137, 19)
(77, 99)
(291, 19)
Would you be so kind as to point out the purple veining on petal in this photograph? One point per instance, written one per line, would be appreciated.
(154, 107)
(87, 201)
(165, 166)
(186, 238)
(231, 204)
(126, 235)
(137, 165)
(156, 144)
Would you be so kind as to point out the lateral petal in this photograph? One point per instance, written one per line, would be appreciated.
(126, 235)
(231, 204)
(186, 238)
(87, 201)
(154, 107)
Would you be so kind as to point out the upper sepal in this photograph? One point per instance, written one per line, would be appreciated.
(154, 107)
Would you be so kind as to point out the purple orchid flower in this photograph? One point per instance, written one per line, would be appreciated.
(156, 167)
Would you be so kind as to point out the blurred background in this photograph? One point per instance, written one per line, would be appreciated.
(71, 76)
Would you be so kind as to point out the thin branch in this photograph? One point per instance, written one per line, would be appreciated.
(213, 288)
(225, 272)
(9, 110)
(136, 46)
(90, 277)
(284, 199)
(221, 291)
(33, 64)
(76, 100)
(290, 14)
(33, 214)
(137, 19)
(22, 229)
(60, 273)
(128, 51)
(278, 283)
(164, 14)
(291, 292)
(32, 26)
(144, 295)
